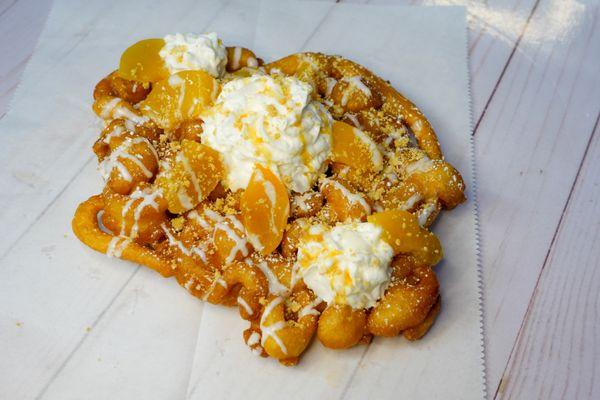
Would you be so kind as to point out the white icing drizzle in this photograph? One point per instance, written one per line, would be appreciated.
(417, 126)
(214, 92)
(184, 198)
(199, 251)
(309, 309)
(191, 173)
(275, 286)
(214, 283)
(240, 241)
(355, 82)
(188, 284)
(330, 82)
(116, 246)
(253, 339)
(272, 197)
(124, 112)
(174, 242)
(147, 200)
(257, 351)
(117, 131)
(108, 107)
(270, 192)
(201, 221)
(116, 108)
(252, 62)
(422, 165)
(354, 120)
(213, 216)
(376, 156)
(237, 54)
(177, 83)
(300, 201)
(113, 160)
(245, 305)
(353, 198)
(411, 201)
(241, 244)
(358, 83)
(270, 331)
(425, 212)
(295, 275)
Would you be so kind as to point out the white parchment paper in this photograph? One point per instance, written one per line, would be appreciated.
(77, 325)
(422, 51)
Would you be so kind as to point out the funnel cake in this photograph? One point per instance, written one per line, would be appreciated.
(299, 191)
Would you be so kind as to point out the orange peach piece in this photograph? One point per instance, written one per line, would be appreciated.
(189, 177)
(353, 147)
(142, 62)
(265, 207)
(288, 65)
(181, 97)
(402, 231)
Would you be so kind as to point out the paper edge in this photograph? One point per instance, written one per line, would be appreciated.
(34, 51)
(476, 219)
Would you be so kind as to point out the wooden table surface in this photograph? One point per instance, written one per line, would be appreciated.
(535, 82)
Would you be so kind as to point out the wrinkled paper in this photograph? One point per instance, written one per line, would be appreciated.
(76, 324)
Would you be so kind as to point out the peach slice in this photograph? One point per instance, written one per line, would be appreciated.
(181, 97)
(265, 207)
(189, 176)
(142, 62)
(288, 65)
(353, 147)
(402, 231)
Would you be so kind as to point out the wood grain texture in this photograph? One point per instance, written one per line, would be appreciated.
(541, 92)
(520, 80)
(529, 147)
(557, 353)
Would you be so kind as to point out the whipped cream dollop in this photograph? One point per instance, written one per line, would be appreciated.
(346, 264)
(270, 120)
(194, 52)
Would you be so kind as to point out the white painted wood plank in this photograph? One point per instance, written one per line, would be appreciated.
(494, 29)
(529, 146)
(497, 335)
(558, 352)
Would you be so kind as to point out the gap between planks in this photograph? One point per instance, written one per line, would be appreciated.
(576, 181)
